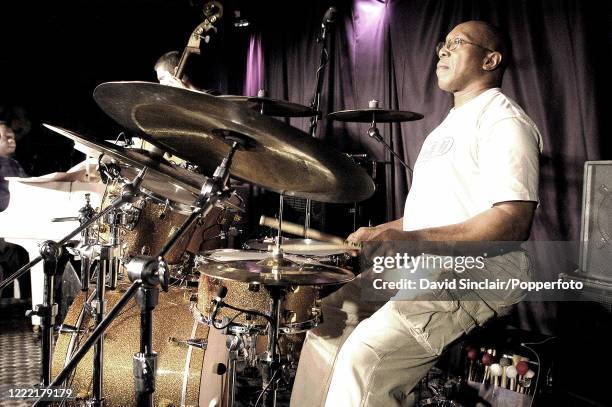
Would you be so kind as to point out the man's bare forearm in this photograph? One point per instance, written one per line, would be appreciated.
(397, 224)
(510, 221)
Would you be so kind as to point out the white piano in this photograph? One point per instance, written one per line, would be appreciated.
(34, 202)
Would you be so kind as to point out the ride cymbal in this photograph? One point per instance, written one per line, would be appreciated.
(374, 114)
(196, 126)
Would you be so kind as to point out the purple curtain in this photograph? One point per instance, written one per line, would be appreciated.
(254, 73)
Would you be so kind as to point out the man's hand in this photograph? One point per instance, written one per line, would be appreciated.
(369, 233)
(361, 235)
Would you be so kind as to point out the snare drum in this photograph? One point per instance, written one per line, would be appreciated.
(300, 308)
(179, 366)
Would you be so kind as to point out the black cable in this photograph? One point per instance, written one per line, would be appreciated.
(265, 388)
(229, 323)
(246, 311)
(524, 344)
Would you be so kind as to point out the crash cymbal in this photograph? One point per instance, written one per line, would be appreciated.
(162, 179)
(194, 126)
(375, 114)
(272, 107)
(269, 272)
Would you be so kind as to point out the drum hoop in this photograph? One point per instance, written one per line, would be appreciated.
(288, 329)
(174, 206)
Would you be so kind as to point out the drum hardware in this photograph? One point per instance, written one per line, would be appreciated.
(126, 217)
(146, 272)
(374, 114)
(328, 19)
(199, 343)
(70, 329)
(271, 359)
(51, 255)
(278, 276)
(85, 213)
(144, 288)
(233, 344)
(108, 265)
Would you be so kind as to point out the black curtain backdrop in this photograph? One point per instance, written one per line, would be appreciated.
(386, 52)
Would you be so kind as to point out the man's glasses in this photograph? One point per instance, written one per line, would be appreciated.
(452, 45)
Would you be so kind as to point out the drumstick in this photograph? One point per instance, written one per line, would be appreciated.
(305, 248)
(295, 229)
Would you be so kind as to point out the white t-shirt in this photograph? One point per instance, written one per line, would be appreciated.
(484, 152)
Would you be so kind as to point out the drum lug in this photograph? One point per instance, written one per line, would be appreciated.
(199, 343)
(131, 217)
(70, 329)
(254, 287)
(289, 316)
(317, 315)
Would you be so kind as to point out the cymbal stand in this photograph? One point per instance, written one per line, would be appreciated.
(51, 253)
(375, 134)
(149, 277)
(108, 265)
(145, 361)
(85, 249)
(146, 273)
(271, 359)
(277, 252)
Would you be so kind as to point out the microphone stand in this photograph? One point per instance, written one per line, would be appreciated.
(315, 105)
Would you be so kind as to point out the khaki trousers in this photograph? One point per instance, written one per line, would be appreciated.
(369, 354)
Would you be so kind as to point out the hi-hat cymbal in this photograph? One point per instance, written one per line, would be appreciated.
(272, 107)
(271, 273)
(193, 126)
(374, 114)
(162, 179)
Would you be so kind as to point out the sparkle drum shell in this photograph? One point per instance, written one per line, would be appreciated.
(155, 224)
(179, 367)
(299, 309)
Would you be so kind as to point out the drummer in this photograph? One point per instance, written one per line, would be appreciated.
(362, 356)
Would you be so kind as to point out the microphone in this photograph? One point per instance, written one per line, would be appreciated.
(328, 18)
(221, 293)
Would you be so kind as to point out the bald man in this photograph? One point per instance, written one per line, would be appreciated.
(475, 179)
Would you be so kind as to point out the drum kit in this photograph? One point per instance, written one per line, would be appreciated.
(155, 213)
(154, 210)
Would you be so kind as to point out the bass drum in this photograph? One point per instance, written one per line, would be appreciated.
(179, 366)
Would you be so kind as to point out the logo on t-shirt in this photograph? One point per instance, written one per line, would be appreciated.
(436, 148)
